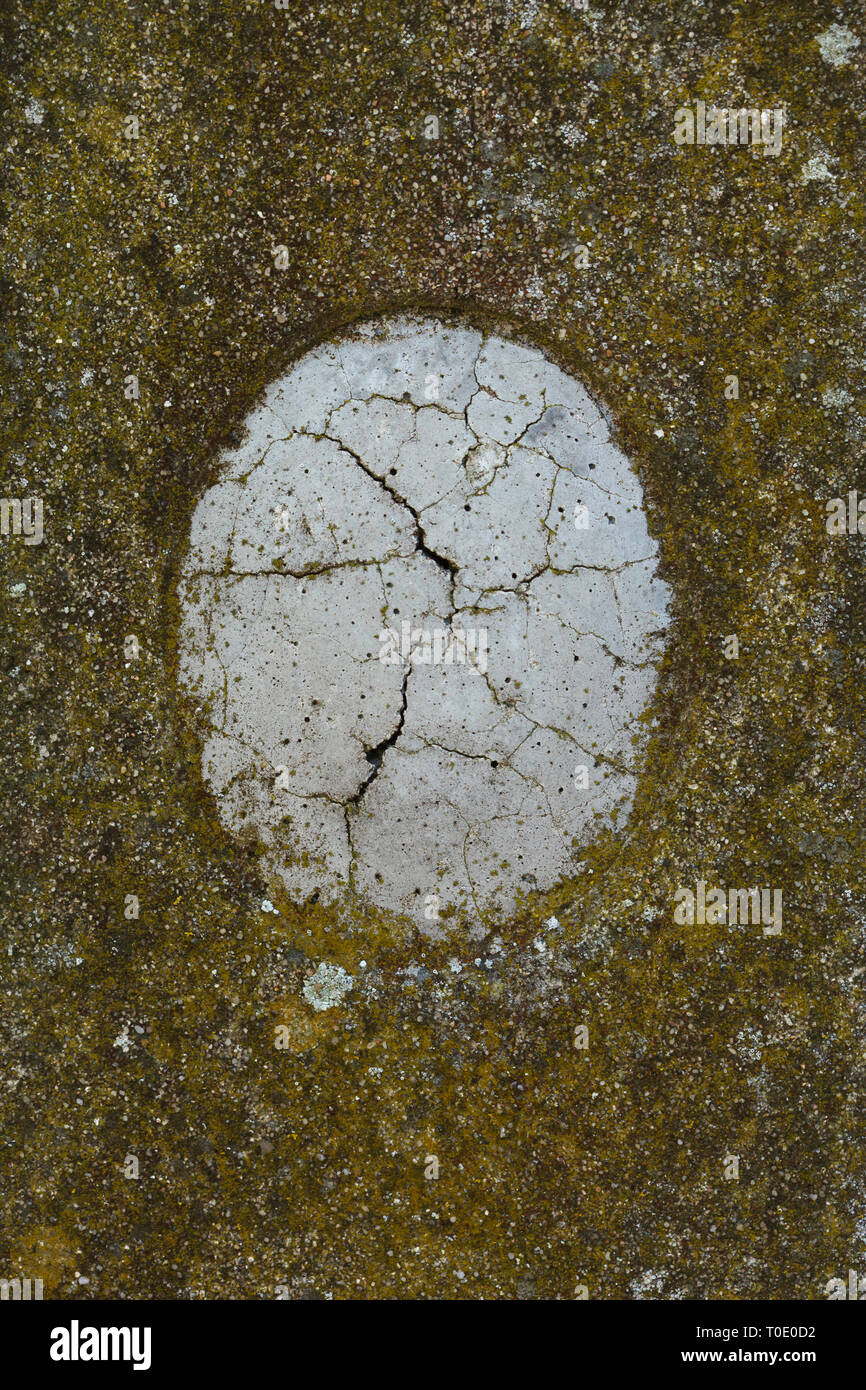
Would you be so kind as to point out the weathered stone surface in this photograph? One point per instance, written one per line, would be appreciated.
(304, 1166)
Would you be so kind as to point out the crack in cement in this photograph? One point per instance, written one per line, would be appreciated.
(421, 546)
(376, 754)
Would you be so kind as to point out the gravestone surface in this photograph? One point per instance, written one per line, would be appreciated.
(421, 617)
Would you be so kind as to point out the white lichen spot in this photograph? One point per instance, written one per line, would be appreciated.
(572, 133)
(816, 168)
(327, 986)
(34, 112)
(650, 1284)
(835, 44)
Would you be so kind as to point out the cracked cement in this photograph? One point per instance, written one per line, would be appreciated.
(408, 475)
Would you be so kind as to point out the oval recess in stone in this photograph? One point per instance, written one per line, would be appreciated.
(420, 618)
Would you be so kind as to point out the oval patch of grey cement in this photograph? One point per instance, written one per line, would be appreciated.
(420, 618)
